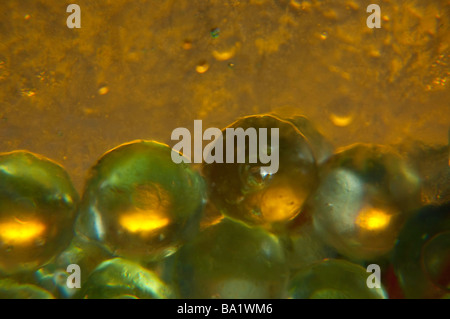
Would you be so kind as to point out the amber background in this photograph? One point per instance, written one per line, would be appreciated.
(317, 57)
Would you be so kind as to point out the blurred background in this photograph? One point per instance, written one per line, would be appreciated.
(140, 69)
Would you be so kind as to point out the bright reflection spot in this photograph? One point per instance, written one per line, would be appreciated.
(373, 219)
(19, 232)
(224, 55)
(280, 203)
(143, 221)
(341, 120)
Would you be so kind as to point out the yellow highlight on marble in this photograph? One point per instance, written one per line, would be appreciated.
(373, 219)
(341, 120)
(143, 221)
(20, 232)
(280, 203)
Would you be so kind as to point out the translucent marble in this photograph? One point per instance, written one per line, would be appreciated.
(422, 254)
(10, 289)
(122, 279)
(246, 192)
(85, 253)
(140, 204)
(231, 260)
(333, 279)
(38, 205)
(366, 194)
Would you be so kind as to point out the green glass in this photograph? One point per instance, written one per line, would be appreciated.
(333, 279)
(245, 192)
(10, 289)
(87, 254)
(139, 203)
(38, 206)
(231, 260)
(122, 279)
(366, 194)
(303, 244)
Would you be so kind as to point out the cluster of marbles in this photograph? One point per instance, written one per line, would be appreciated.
(146, 227)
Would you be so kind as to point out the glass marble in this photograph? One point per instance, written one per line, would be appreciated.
(366, 194)
(139, 203)
(245, 192)
(231, 260)
(422, 254)
(333, 279)
(38, 206)
(10, 289)
(87, 254)
(119, 278)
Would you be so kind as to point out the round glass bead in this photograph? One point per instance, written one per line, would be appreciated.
(247, 192)
(366, 194)
(333, 279)
(38, 204)
(139, 203)
(231, 260)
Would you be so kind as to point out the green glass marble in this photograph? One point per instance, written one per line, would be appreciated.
(139, 203)
(246, 192)
(333, 279)
(10, 289)
(38, 206)
(366, 194)
(122, 279)
(422, 253)
(231, 260)
(85, 253)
